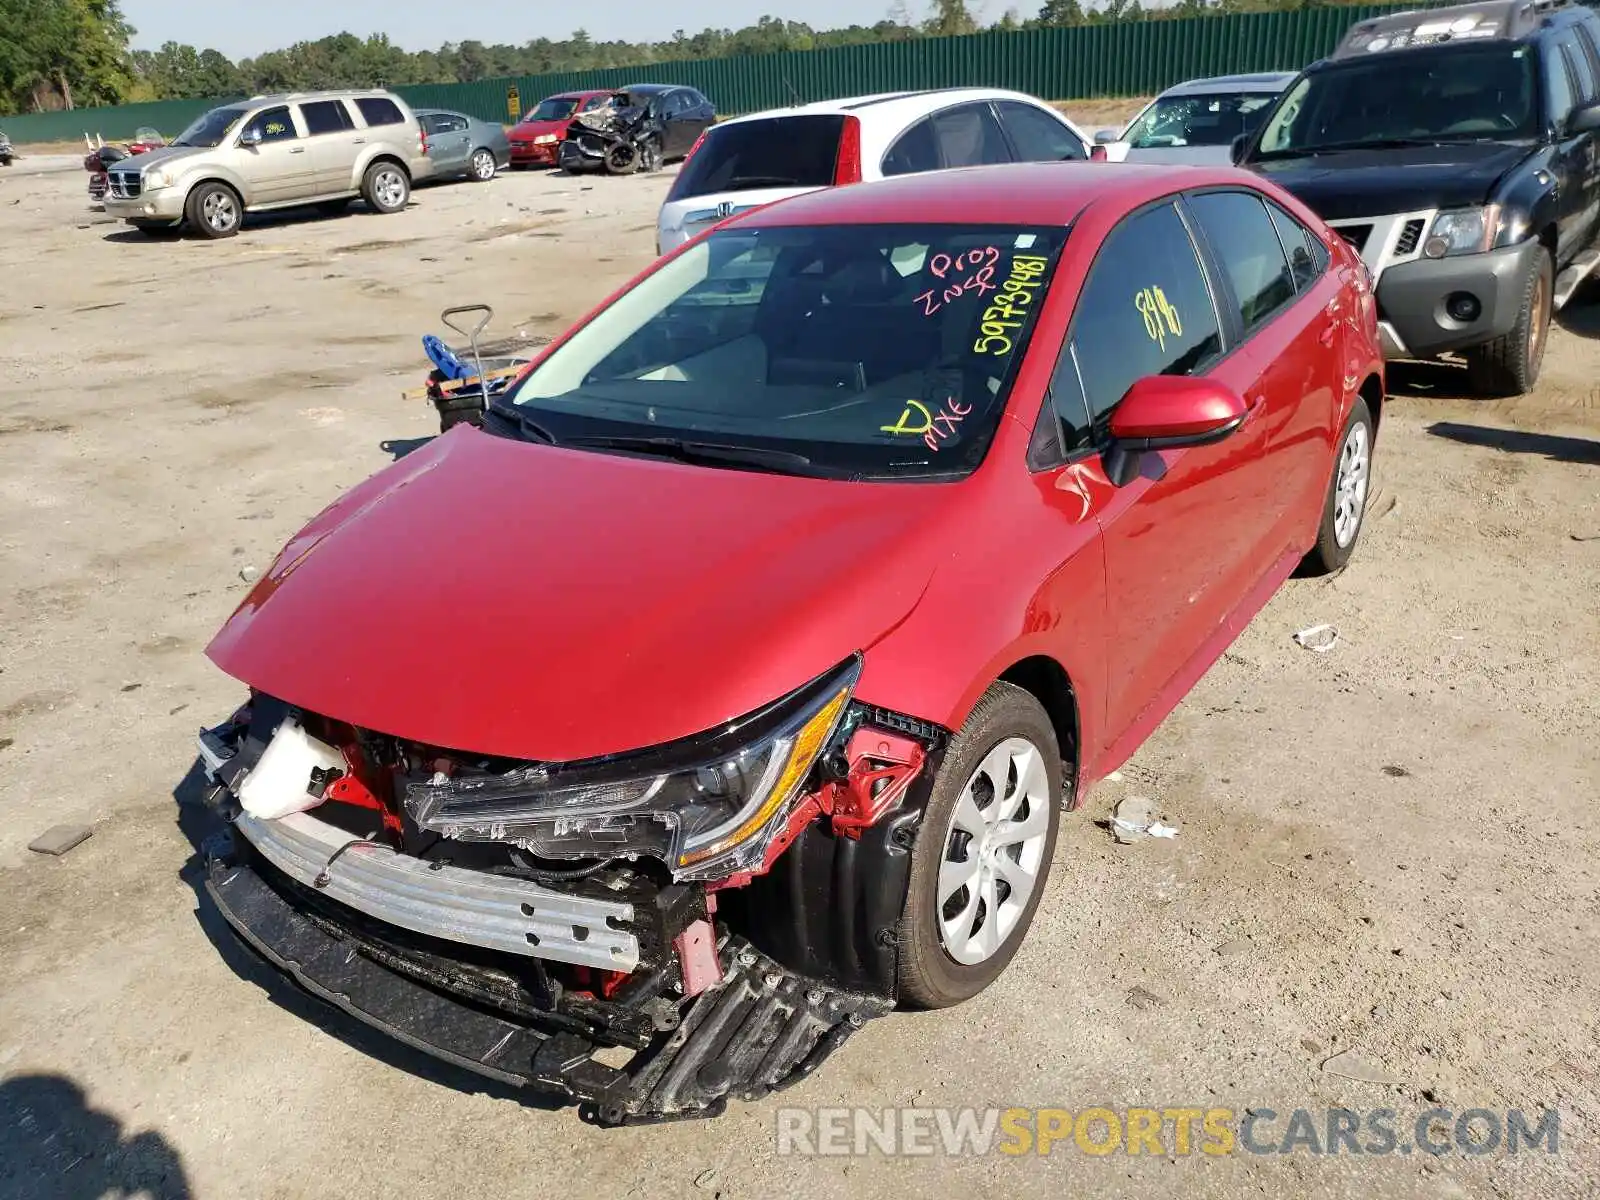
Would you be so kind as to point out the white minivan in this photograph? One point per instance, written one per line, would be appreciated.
(750, 161)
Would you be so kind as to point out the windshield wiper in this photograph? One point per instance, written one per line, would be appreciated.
(681, 450)
(521, 422)
(1373, 144)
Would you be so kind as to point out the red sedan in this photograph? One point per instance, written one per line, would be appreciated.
(733, 678)
(536, 139)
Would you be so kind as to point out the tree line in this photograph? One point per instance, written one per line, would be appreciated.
(74, 53)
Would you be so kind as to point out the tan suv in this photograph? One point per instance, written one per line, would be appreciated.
(320, 148)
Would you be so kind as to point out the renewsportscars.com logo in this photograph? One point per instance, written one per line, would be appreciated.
(1181, 1131)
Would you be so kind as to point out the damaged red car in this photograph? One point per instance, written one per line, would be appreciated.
(726, 689)
(536, 139)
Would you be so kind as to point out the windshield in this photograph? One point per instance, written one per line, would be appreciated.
(870, 351)
(1464, 93)
(210, 129)
(557, 108)
(1213, 120)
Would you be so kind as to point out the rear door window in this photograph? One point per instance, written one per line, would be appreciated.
(1246, 244)
(1037, 136)
(798, 151)
(1308, 257)
(917, 149)
(1578, 64)
(325, 116)
(1557, 85)
(376, 110)
(969, 136)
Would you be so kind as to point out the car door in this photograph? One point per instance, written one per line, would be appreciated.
(330, 136)
(447, 142)
(968, 135)
(1575, 165)
(1175, 536)
(1289, 322)
(681, 128)
(277, 168)
(1038, 135)
(699, 114)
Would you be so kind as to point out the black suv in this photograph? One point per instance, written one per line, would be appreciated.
(1456, 150)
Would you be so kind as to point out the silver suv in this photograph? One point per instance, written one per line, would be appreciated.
(321, 148)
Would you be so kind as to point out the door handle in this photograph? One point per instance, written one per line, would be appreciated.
(359, 142)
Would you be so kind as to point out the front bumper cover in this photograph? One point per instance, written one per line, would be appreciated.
(761, 1029)
(1412, 298)
(162, 204)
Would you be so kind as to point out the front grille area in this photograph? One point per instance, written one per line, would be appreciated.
(1356, 235)
(124, 185)
(1409, 236)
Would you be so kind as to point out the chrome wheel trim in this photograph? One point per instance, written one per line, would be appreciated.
(1350, 490)
(390, 188)
(993, 852)
(483, 166)
(219, 211)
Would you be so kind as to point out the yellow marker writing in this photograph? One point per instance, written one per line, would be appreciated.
(900, 426)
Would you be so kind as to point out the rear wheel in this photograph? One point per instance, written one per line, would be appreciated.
(215, 210)
(983, 851)
(385, 188)
(483, 165)
(1509, 365)
(1345, 509)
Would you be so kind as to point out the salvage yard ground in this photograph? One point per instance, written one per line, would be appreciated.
(1389, 849)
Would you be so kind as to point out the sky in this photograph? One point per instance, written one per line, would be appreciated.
(244, 30)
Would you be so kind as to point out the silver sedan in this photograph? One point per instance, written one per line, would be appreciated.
(462, 146)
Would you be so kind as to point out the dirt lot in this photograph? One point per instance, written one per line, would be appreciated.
(1390, 848)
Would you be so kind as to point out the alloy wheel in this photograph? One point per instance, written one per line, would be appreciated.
(390, 189)
(220, 211)
(993, 851)
(1350, 490)
(483, 166)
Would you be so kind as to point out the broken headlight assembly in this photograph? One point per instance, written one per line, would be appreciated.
(707, 806)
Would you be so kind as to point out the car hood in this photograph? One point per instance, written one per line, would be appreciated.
(1214, 156)
(165, 154)
(506, 598)
(1371, 183)
(528, 130)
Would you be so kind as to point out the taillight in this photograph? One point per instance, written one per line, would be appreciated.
(847, 166)
(698, 142)
(1097, 153)
(422, 139)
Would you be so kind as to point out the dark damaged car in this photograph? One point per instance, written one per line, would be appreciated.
(637, 129)
(725, 688)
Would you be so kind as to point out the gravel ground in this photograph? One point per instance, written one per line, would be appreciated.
(1388, 849)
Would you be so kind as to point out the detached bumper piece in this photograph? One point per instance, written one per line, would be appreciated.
(762, 1029)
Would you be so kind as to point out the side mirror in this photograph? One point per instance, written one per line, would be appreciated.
(250, 137)
(1103, 136)
(1236, 150)
(1585, 119)
(1162, 412)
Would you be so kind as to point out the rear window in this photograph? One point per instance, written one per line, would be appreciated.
(375, 110)
(798, 151)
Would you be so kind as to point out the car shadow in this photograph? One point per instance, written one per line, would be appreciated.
(1583, 319)
(54, 1145)
(199, 824)
(1429, 380)
(288, 217)
(1555, 447)
(398, 448)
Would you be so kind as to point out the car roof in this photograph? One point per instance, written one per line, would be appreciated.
(300, 97)
(1035, 193)
(1501, 20)
(649, 89)
(892, 107)
(579, 95)
(1260, 81)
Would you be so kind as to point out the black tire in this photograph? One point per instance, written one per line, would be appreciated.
(1330, 554)
(157, 229)
(386, 187)
(214, 210)
(622, 159)
(929, 977)
(481, 166)
(332, 208)
(1509, 365)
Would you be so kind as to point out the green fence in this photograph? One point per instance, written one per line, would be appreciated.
(1130, 59)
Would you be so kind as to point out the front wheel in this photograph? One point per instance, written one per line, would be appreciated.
(1509, 365)
(483, 165)
(983, 851)
(385, 188)
(215, 210)
(1345, 508)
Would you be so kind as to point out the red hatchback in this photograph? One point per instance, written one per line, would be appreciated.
(536, 139)
(727, 687)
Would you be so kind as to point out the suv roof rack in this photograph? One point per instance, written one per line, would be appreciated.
(1506, 20)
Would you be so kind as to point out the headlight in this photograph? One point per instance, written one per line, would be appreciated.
(159, 178)
(707, 806)
(546, 139)
(1463, 231)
